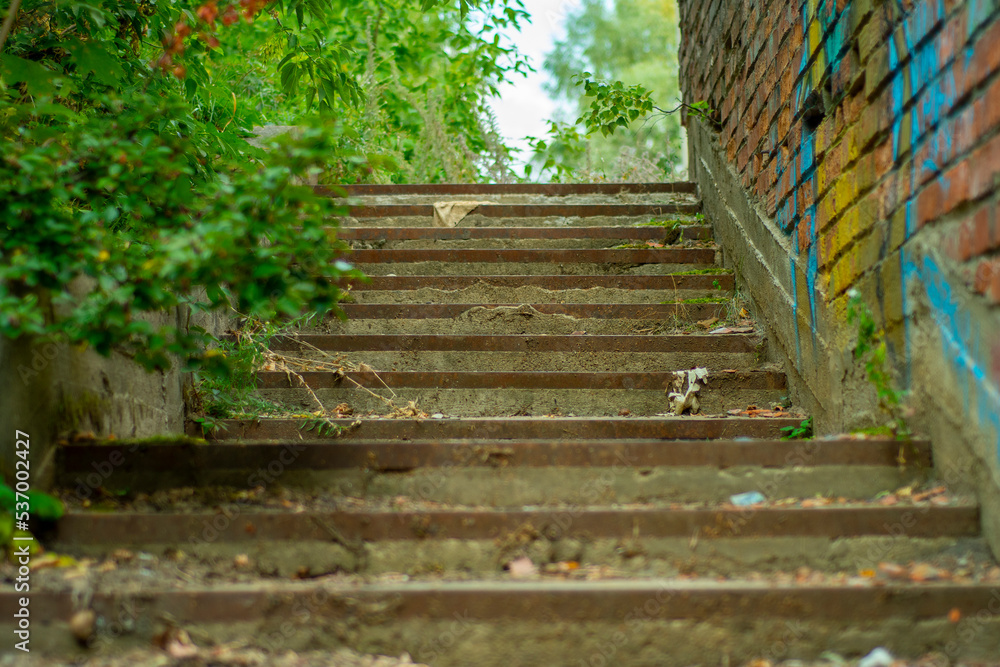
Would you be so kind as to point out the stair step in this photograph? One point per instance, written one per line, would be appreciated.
(650, 381)
(634, 622)
(634, 311)
(508, 475)
(485, 295)
(531, 210)
(524, 353)
(650, 232)
(555, 282)
(665, 428)
(197, 455)
(725, 343)
(125, 528)
(543, 255)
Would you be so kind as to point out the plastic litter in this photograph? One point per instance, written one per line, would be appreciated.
(747, 499)
(879, 657)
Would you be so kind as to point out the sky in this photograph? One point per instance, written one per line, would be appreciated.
(523, 106)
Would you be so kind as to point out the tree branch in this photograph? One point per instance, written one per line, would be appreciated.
(8, 22)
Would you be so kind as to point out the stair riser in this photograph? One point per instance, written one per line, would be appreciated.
(638, 629)
(535, 402)
(633, 362)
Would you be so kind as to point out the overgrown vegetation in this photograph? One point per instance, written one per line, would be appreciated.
(127, 186)
(871, 350)
(23, 507)
(804, 431)
(610, 49)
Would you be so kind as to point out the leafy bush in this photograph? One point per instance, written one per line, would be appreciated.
(126, 183)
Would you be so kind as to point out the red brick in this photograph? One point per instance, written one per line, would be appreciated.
(957, 180)
(929, 203)
(984, 169)
(979, 234)
(987, 111)
(987, 280)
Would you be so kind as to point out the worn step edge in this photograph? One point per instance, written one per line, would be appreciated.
(552, 282)
(551, 189)
(537, 256)
(513, 380)
(666, 428)
(530, 210)
(604, 311)
(541, 600)
(729, 343)
(653, 232)
(405, 456)
(248, 524)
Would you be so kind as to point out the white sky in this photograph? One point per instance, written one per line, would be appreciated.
(524, 107)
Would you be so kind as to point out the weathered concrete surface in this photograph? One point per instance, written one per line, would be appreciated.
(54, 389)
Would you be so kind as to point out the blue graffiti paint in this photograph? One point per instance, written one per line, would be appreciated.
(961, 344)
(795, 314)
(896, 98)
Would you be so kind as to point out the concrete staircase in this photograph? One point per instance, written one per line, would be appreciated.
(506, 487)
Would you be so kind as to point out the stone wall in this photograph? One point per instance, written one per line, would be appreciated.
(52, 390)
(856, 144)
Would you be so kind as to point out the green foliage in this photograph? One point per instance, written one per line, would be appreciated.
(126, 184)
(233, 394)
(871, 350)
(615, 105)
(634, 42)
(703, 272)
(36, 503)
(804, 431)
(25, 506)
(557, 155)
(701, 111)
(322, 426)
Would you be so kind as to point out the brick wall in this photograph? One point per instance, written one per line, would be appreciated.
(857, 145)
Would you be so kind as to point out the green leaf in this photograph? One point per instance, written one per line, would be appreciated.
(91, 56)
(37, 79)
(45, 506)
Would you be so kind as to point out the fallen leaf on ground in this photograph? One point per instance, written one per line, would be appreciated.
(892, 571)
(930, 493)
(927, 572)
